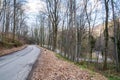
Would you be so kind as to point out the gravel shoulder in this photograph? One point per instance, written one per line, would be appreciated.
(49, 67)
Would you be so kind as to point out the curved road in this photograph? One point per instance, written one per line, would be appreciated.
(17, 66)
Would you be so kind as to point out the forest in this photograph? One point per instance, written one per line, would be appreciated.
(86, 32)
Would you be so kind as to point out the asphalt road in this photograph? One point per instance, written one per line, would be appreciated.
(18, 65)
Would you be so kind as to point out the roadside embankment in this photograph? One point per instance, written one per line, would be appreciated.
(50, 67)
(8, 51)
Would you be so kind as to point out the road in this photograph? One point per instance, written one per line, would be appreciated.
(18, 65)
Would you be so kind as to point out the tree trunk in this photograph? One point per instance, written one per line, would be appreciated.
(115, 38)
(14, 27)
(106, 36)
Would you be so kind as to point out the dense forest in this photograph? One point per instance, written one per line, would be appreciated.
(12, 23)
(83, 31)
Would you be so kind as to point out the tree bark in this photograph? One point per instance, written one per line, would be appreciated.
(14, 25)
(106, 35)
(115, 38)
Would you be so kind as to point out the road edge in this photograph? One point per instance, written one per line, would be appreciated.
(34, 65)
(12, 52)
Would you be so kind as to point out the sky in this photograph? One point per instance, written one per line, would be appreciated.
(32, 8)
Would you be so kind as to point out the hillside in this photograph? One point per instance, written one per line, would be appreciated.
(99, 29)
(50, 67)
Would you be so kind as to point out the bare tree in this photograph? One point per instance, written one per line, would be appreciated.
(53, 11)
(106, 33)
(14, 27)
(115, 37)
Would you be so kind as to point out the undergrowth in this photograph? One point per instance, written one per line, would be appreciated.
(111, 74)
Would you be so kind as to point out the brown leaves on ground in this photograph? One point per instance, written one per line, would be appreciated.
(49, 67)
(8, 51)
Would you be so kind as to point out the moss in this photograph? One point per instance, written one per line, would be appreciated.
(112, 77)
(59, 56)
(5, 44)
(17, 43)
